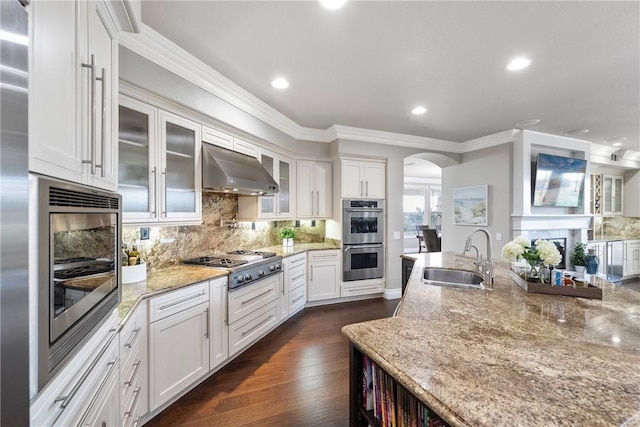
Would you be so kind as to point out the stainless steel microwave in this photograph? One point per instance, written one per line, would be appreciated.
(74, 282)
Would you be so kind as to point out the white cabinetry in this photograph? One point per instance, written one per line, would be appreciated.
(324, 275)
(631, 258)
(160, 172)
(253, 311)
(178, 341)
(363, 179)
(85, 391)
(229, 142)
(72, 92)
(295, 282)
(134, 385)
(361, 287)
(275, 206)
(612, 190)
(219, 336)
(313, 182)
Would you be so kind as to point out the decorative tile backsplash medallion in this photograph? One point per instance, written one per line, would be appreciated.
(169, 245)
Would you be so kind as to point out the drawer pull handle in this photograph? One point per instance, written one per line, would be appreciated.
(360, 288)
(133, 375)
(199, 294)
(206, 335)
(298, 299)
(133, 404)
(256, 297)
(134, 335)
(94, 399)
(297, 277)
(66, 399)
(137, 421)
(245, 333)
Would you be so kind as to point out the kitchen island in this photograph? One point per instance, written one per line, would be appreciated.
(508, 358)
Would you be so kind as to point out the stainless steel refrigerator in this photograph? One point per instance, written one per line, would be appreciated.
(14, 210)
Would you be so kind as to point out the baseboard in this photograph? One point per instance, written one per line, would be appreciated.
(392, 293)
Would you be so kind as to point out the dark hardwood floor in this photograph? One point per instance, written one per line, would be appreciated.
(298, 375)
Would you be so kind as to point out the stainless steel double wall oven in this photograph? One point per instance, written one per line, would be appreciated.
(362, 239)
(75, 285)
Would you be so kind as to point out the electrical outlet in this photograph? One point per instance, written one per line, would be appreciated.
(396, 235)
(498, 236)
(144, 233)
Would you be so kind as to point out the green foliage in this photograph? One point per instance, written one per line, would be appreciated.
(287, 233)
(578, 254)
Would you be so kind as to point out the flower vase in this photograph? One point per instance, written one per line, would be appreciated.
(591, 262)
(287, 242)
(532, 275)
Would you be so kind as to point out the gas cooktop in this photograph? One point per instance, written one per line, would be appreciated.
(216, 261)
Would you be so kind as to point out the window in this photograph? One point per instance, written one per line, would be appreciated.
(413, 210)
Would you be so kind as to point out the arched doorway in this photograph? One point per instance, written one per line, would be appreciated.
(422, 199)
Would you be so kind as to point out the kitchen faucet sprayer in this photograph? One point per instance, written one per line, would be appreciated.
(485, 266)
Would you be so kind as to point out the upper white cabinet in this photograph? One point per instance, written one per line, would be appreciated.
(612, 190)
(73, 87)
(229, 142)
(159, 170)
(363, 179)
(274, 206)
(313, 182)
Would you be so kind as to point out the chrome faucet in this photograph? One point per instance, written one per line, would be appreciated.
(602, 228)
(485, 266)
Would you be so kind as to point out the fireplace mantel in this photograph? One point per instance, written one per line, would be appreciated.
(531, 222)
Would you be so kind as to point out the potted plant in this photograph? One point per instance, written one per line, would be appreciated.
(287, 235)
(578, 258)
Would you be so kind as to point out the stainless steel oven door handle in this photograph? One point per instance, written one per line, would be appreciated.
(348, 248)
(373, 210)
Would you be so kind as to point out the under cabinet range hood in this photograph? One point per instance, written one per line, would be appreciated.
(226, 171)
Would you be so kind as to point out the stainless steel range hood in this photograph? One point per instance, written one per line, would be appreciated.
(230, 172)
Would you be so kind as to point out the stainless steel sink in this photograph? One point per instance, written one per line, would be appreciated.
(452, 278)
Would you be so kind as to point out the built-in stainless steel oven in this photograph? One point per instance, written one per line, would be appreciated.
(75, 279)
(362, 221)
(360, 262)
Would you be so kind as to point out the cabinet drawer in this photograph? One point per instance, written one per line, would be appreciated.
(131, 374)
(252, 327)
(245, 147)
(297, 299)
(330, 255)
(297, 277)
(296, 260)
(177, 301)
(248, 299)
(348, 290)
(131, 409)
(132, 335)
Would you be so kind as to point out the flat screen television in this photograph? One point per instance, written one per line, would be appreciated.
(559, 181)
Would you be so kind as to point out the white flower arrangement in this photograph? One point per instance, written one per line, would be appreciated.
(545, 252)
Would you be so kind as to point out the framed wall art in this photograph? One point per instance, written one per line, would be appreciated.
(470, 205)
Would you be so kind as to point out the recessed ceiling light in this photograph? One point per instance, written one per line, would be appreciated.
(518, 64)
(280, 83)
(617, 144)
(332, 4)
(418, 110)
(527, 122)
(614, 140)
(576, 132)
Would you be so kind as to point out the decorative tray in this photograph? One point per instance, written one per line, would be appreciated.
(588, 291)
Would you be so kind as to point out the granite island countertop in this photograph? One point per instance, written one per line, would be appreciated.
(509, 358)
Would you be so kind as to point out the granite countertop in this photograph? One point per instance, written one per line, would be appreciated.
(163, 280)
(170, 278)
(509, 358)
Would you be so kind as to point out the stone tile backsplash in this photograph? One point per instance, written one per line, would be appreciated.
(169, 245)
(618, 226)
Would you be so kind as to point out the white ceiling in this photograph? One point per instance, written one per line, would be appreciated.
(368, 64)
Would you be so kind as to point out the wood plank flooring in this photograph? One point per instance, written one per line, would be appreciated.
(295, 376)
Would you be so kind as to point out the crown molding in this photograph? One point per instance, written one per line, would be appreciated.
(382, 137)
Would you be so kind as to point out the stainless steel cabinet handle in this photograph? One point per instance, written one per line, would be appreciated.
(153, 181)
(103, 121)
(245, 333)
(256, 297)
(361, 188)
(298, 299)
(180, 301)
(312, 211)
(133, 404)
(206, 335)
(297, 277)
(134, 335)
(318, 204)
(113, 365)
(312, 273)
(366, 188)
(67, 398)
(135, 372)
(164, 202)
(92, 120)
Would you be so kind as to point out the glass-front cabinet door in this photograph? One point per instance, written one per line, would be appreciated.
(137, 165)
(612, 188)
(278, 205)
(180, 181)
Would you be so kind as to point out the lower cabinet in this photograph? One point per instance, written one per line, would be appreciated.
(178, 352)
(631, 258)
(324, 275)
(252, 327)
(105, 409)
(134, 384)
(361, 287)
(295, 283)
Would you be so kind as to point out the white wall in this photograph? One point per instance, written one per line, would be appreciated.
(492, 167)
